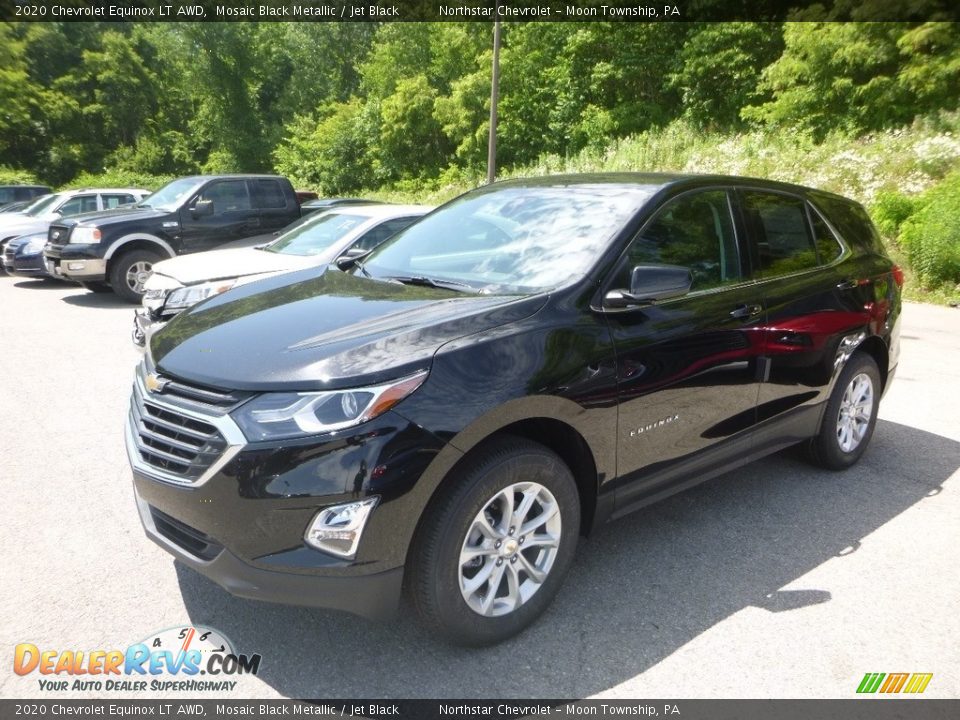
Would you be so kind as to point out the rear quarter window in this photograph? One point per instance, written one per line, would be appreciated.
(851, 221)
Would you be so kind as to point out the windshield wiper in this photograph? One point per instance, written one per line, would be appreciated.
(424, 281)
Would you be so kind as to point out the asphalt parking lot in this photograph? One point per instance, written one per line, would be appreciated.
(776, 581)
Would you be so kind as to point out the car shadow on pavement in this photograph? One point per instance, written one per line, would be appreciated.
(39, 284)
(98, 300)
(639, 590)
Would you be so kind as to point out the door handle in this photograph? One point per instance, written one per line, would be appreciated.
(848, 284)
(742, 312)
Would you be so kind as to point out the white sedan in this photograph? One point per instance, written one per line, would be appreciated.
(316, 241)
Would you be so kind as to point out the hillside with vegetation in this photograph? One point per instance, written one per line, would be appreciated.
(400, 111)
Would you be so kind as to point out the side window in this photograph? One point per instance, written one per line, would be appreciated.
(112, 201)
(783, 240)
(227, 196)
(381, 232)
(79, 204)
(268, 194)
(828, 247)
(693, 231)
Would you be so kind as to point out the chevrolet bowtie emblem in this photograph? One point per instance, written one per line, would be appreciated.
(155, 383)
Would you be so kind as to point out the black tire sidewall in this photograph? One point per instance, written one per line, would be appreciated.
(501, 466)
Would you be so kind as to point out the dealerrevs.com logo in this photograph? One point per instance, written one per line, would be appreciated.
(188, 659)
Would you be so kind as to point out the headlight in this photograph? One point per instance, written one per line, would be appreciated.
(278, 416)
(33, 245)
(182, 298)
(85, 236)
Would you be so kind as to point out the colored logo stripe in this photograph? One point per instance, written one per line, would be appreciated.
(870, 682)
(894, 682)
(918, 683)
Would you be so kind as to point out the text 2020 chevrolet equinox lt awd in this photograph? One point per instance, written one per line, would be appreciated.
(447, 415)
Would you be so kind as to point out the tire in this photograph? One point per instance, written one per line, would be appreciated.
(845, 432)
(97, 287)
(128, 272)
(454, 600)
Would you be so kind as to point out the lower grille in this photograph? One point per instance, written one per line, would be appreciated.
(182, 535)
(179, 445)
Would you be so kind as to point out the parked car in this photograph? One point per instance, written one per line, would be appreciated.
(57, 206)
(23, 256)
(15, 207)
(314, 241)
(116, 251)
(18, 193)
(521, 366)
(312, 206)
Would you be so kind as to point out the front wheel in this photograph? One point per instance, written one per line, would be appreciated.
(850, 415)
(129, 273)
(492, 552)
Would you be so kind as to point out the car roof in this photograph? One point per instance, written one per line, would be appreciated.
(655, 180)
(231, 176)
(380, 211)
(77, 191)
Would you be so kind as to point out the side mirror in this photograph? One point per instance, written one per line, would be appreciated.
(350, 257)
(649, 284)
(203, 208)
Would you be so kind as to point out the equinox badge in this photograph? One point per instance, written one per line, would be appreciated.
(653, 426)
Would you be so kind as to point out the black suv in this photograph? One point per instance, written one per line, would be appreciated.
(117, 249)
(524, 364)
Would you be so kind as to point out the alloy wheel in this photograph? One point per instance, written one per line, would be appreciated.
(856, 409)
(509, 549)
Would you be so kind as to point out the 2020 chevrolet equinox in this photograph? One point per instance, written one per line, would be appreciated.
(446, 415)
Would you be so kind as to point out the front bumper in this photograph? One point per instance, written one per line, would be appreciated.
(75, 262)
(242, 520)
(374, 596)
(26, 266)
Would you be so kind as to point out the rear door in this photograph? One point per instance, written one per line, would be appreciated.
(272, 203)
(115, 200)
(797, 259)
(687, 367)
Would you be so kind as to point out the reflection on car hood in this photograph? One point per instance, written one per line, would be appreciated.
(17, 225)
(231, 263)
(102, 218)
(303, 331)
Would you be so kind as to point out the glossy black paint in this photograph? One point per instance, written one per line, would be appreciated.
(641, 401)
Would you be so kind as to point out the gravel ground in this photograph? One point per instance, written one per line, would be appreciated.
(777, 581)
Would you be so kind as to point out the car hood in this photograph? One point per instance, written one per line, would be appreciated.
(231, 263)
(310, 331)
(102, 218)
(17, 226)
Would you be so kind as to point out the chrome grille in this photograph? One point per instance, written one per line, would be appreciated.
(176, 444)
(8, 254)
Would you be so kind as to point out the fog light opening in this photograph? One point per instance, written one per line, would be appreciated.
(337, 529)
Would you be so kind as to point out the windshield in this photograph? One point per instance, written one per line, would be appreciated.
(316, 236)
(512, 239)
(40, 205)
(171, 195)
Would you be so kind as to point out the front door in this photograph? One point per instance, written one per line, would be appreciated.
(687, 368)
(233, 217)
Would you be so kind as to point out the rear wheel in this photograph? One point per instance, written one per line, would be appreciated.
(97, 287)
(850, 415)
(130, 271)
(492, 552)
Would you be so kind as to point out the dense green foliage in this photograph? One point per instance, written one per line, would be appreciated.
(931, 235)
(403, 108)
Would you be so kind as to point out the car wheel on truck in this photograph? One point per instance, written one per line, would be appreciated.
(130, 271)
(494, 548)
